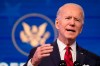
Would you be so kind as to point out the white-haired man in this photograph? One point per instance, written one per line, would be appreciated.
(69, 23)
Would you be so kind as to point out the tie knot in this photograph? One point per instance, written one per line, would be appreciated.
(68, 48)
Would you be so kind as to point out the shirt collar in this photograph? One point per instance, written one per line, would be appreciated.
(62, 46)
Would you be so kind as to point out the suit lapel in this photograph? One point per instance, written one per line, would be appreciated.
(55, 55)
(80, 55)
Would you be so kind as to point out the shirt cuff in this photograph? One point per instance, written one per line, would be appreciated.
(29, 63)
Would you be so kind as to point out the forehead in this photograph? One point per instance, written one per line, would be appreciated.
(73, 10)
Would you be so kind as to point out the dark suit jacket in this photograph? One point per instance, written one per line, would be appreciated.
(83, 57)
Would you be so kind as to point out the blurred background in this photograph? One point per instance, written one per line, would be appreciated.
(25, 24)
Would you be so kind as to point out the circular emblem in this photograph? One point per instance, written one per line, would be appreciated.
(32, 30)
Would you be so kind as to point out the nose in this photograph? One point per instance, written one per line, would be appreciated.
(72, 22)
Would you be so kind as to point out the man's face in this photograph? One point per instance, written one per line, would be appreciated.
(69, 23)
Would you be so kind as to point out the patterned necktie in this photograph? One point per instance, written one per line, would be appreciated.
(68, 57)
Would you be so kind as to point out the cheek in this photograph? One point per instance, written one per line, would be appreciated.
(61, 24)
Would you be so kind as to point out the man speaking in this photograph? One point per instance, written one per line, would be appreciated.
(69, 23)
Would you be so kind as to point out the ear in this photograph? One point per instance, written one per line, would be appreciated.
(57, 23)
(81, 30)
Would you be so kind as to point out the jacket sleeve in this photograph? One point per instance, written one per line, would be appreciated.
(30, 55)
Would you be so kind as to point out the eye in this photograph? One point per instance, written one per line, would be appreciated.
(77, 19)
(68, 17)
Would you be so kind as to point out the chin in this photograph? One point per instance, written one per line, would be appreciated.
(71, 37)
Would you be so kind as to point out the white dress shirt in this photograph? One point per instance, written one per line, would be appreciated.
(62, 51)
(29, 63)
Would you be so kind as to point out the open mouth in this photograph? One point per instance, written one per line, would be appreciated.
(71, 30)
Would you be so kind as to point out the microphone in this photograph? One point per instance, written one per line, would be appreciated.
(76, 63)
(62, 63)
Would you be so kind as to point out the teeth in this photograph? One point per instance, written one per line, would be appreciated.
(70, 30)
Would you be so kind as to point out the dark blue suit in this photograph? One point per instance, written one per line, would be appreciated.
(83, 57)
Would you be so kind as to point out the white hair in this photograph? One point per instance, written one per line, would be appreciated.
(59, 10)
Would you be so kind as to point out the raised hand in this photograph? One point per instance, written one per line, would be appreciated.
(41, 52)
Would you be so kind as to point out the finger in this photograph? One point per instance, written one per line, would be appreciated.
(46, 45)
(47, 51)
(43, 50)
(46, 48)
(40, 56)
(45, 55)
